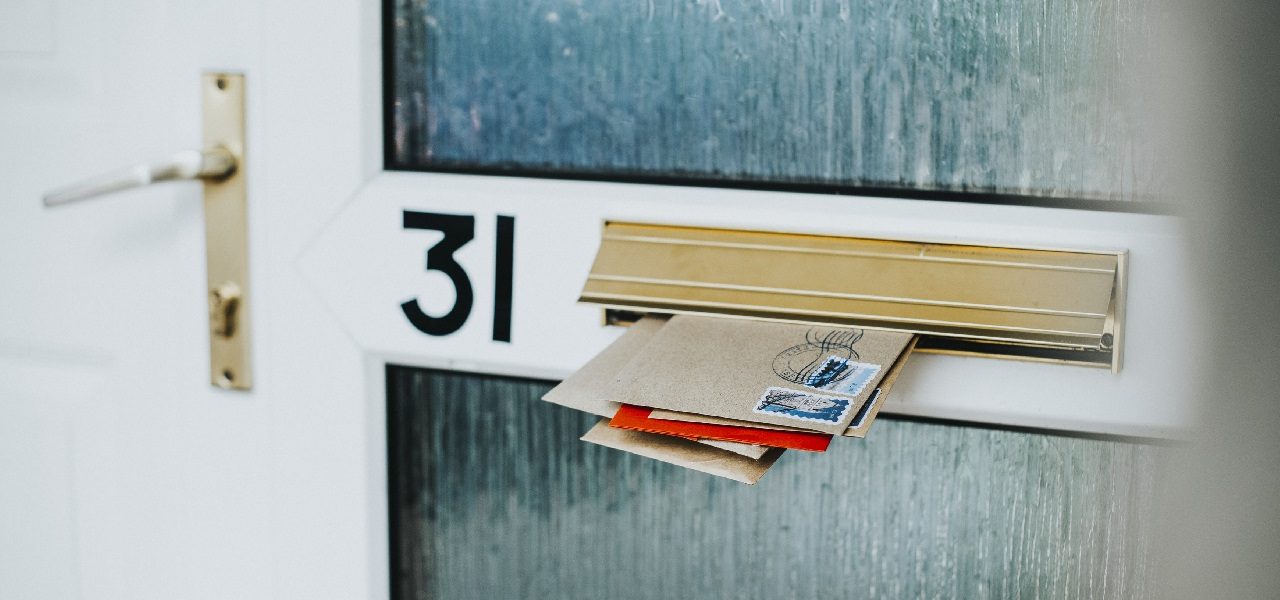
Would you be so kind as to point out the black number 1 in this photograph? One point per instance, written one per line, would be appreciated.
(504, 256)
(458, 230)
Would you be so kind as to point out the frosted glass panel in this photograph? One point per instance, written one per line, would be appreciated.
(493, 496)
(1009, 96)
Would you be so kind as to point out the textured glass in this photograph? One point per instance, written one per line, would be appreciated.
(493, 496)
(1010, 96)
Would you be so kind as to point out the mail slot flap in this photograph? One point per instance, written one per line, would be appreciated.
(1018, 302)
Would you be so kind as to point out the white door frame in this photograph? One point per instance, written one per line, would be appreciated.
(331, 225)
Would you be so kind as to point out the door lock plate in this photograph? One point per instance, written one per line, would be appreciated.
(226, 227)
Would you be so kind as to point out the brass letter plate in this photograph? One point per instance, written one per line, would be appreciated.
(1025, 303)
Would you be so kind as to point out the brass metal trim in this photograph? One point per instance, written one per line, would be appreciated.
(833, 252)
(226, 223)
(749, 288)
(1011, 302)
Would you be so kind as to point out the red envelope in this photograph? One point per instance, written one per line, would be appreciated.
(637, 418)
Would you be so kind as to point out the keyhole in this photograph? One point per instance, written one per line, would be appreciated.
(226, 378)
(221, 83)
(224, 300)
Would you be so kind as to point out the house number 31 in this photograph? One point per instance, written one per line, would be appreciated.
(458, 230)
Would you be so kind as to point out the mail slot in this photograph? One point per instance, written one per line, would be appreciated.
(1063, 306)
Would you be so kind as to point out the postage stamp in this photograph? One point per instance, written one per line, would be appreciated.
(841, 375)
(826, 361)
(802, 406)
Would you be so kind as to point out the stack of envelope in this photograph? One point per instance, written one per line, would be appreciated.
(727, 396)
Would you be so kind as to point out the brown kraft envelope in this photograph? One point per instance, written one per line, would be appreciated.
(683, 453)
(804, 376)
(861, 423)
(585, 389)
(857, 428)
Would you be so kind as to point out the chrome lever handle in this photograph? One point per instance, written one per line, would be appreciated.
(212, 163)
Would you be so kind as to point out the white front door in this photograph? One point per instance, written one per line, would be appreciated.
(125, 473)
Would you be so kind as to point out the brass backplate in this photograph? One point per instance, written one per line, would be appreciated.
(1028, 303)
(226, 228)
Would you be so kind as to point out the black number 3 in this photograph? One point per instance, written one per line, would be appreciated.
(458, 230)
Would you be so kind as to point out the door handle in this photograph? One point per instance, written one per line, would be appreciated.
(214, 163)
(221, 168)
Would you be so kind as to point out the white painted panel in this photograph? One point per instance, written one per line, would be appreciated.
(37, 448)
(59, 463)
(364, 265)
(26, 27)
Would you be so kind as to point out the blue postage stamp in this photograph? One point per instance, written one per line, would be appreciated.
(840, 375)
(803, 406)
(826, 361)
